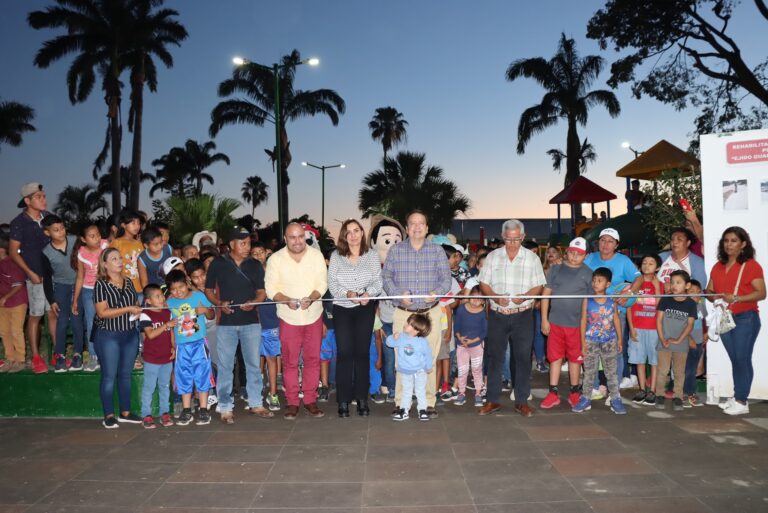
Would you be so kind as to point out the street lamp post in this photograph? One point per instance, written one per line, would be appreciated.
(626, 145)
(275, 69)
(322, 190)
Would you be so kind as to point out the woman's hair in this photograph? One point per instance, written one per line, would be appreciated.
(79, 242)
(420, 323)
(747, 253)
(126, 216)
(559, 255)
(341, 243)
(102, 272)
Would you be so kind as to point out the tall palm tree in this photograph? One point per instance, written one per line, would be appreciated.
(405, 184)
(257, 83)
(15, 119)
(75, 205)
(182, 169)
(586, 155)
(389, 127)
(255, 192)
(151, 33)
(170, 176)
(566, 78)
(95, 33)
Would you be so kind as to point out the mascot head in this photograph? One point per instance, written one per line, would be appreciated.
(312, 235)
(385, 232)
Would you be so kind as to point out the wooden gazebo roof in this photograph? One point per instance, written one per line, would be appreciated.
(661, 157)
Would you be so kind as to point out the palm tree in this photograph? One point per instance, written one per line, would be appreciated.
(15, 119)
(255, 192)
(257, 83)
(586, 155)
(388, 126)
(95, 34)
(566, 78)
(404, 184)
(151, 33)
(75, 205)
(183, 169)
(204, 212)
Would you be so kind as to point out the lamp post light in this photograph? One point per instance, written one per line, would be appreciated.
(322, 190)
(627, 146)
(275, 68)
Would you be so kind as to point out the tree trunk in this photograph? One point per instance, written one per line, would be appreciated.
(113, 100)
(573, 148)
(285, 161)
(137, 100)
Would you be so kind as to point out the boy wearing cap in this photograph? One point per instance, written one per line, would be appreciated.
(561, 322)
(26, 251)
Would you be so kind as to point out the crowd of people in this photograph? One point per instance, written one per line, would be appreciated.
(387, 316)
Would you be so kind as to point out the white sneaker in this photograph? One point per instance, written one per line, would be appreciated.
(564, 367)
(633, 379)
(625, 383)
(737, 409)
(727, 404)
(599, 393)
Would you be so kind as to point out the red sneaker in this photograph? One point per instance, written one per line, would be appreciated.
(573, 398)
(38, 365)
(165, 420)
(550, 401)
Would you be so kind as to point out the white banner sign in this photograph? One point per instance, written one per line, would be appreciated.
(734, 181)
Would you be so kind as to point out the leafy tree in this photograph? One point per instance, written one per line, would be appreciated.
(405, 184)
(104, 184)
(566, 77)
(203, 212)
(76, 205)
(257, 84)
(151, 32)
(254, 191)
(586, 155)
(15, 119)
(95, 33)
(182, 170)
(683, 52)
(389, 127)
(664, 212)
(161, 212)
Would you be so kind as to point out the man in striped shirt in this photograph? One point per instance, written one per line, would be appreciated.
(510, 271)
(416, 267)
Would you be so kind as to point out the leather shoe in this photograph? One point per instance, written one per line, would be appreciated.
(343, 410)
(489, 408)
(313, 411)
(291, 412)
(362, 408)
(524, 410)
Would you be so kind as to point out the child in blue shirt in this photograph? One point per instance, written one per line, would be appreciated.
(470, 327)
(414, 362)
(193, 364)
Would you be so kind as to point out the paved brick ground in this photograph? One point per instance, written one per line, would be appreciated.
(695, 461)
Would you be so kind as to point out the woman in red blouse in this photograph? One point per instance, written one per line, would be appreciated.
(734, 253)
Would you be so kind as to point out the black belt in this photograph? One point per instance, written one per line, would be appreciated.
(417, 311)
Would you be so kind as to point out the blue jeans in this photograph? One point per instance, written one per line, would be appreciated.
(388, 361)
(160, 376)
(89, 314)
(739, 344)
(117, 351)
(227, 339)
(62, 295)
(689, 387)
(539, 340)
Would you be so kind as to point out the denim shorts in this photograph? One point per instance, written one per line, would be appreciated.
(270, 343)
(643, 350)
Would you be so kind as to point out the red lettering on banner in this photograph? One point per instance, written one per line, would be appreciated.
(745, 152)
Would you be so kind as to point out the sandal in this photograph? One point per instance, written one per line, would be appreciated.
(228, 417)
(261, 412)
(138, 365)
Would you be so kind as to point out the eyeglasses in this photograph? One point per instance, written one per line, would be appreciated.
(516, 240)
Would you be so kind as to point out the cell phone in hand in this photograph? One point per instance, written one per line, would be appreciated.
(685, 205)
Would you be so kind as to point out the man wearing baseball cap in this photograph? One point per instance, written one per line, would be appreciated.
(624, 272)
(26, 251)
(561, 322)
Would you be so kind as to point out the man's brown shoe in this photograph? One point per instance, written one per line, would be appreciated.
(524, 410)
(313, 411)
(489, 408)
(291, 412)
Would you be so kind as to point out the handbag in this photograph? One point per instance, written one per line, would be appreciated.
(727, 322)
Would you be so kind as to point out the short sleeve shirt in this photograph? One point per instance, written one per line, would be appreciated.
(189, 327)
(620, 265)
(644, 310)
(517, 276)
(156, 350)
(724, 282)
(115, 298)
(11, 275)
(129, 252)
(29, 233)
(566, 280)
(675, 320)
(237, 284)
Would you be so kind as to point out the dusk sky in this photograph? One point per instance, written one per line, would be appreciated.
(441, 63)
